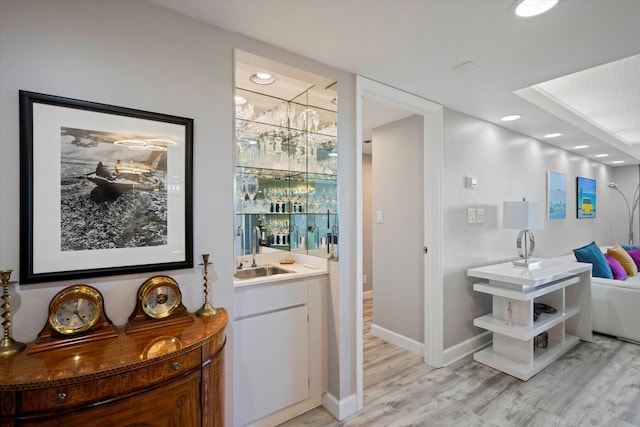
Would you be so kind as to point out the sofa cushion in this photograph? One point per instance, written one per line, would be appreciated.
(617, 269)
(624, 258)
(630, 247)
(592, 254)
(635, 256)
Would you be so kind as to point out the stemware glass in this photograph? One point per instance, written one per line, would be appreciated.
(251, 183)
(241, 192)
(291, 113)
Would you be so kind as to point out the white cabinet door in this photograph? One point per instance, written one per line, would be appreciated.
(271, 363)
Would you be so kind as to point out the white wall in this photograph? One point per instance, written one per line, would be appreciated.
(508, 166)
(627, 178)
(139, 55)
(397, 242)
(367, 224)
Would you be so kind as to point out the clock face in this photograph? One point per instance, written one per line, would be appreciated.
(160, 300)
(75, 310)
(75, 314)
(160, 296)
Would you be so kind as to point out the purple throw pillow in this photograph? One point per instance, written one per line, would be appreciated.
(616, 268)
(635, 256)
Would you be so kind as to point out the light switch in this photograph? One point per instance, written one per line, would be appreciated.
(471, 182)
(379, 217)
(471, 216)
(480, 216)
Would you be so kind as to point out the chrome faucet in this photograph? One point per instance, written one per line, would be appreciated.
(255, 247)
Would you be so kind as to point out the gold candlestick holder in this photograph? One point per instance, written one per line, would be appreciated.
(206, 310)
(8, 346)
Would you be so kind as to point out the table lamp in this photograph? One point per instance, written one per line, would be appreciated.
(524, 216)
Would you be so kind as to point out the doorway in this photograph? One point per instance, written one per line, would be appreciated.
(432, 114)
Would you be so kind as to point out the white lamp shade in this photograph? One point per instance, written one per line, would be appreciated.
(523, 215)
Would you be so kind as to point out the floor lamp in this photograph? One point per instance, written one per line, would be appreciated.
(524, 216)
(631, 209)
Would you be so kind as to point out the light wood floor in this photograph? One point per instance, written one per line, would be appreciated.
(594, 384)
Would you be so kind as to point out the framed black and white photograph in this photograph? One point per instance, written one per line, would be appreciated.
(105, 190)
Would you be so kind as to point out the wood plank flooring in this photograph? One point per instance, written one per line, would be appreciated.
(594, 384)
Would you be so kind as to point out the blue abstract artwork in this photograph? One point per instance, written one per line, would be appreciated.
(557, 196)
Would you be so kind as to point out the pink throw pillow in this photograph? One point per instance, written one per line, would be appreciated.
(616, 268)
(635, 256)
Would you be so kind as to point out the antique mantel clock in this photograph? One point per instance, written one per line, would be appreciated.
(76, 315)
(159, 301)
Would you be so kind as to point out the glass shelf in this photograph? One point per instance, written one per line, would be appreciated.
(286, 175)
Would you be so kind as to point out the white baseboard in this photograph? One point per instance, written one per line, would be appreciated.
(465, 348)
(397, 339)
(367, 294)
(340, 409)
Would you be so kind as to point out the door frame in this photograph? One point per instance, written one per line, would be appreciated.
(433, 351)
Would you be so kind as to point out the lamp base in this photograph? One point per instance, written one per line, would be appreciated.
(531, 265)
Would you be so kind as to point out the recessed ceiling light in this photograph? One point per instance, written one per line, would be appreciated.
(262, 78)
(618, 161)
(332, 154)
(240, 100)
(529, 8)
(510, 118)
(578, 147)
(552, 135)
(602, 155)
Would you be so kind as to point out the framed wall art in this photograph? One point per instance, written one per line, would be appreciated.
(586, 197)
(556, 195)
(105, 190)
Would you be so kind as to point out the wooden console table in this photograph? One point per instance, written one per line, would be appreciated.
(168, 376)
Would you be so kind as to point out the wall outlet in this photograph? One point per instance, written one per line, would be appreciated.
(479, 216)
(364, 279)
(471, 216)
(379, 217)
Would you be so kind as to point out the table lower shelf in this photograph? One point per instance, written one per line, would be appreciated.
(543, 357)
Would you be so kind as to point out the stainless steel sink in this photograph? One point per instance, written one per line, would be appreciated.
(262, 271)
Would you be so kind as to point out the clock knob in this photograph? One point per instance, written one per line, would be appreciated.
(60, 398)
(176, 366)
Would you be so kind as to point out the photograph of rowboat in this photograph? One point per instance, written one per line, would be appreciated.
(113, 190)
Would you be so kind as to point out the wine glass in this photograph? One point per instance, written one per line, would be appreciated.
(251, 184)
(291, 113)
(241, 192)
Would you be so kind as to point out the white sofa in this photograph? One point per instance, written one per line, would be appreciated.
(615, 305)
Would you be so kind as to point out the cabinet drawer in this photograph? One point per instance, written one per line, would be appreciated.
(172, 405)
(260, 299)
(73, 395)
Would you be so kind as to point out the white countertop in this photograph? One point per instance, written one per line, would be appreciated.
(549, 271)
(303, 266)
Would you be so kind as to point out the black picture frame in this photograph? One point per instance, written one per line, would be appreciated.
(105, 190)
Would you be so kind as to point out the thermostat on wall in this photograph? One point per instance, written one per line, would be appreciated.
(471, 182)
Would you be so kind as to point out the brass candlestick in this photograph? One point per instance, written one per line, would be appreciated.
(206, 310)
(8, 346)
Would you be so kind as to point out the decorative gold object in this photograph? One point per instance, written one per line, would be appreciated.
(159, 300)
(206, 310)
(8, 346)
(76, 316)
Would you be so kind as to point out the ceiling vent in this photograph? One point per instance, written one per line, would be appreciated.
(465, 67)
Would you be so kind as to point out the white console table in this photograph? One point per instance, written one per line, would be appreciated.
(563, 285)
